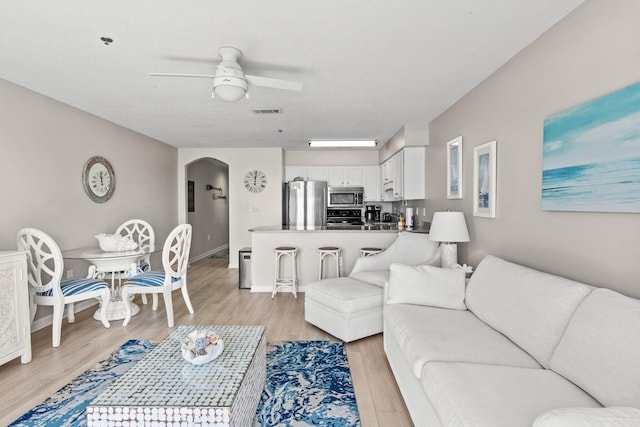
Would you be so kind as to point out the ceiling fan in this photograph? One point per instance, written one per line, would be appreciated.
(230, 83)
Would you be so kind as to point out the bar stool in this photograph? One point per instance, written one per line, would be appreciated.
(369, 251)
(329, 251)
(285, 283)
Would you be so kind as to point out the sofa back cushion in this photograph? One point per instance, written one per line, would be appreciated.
(600, 350)
(414, 249)
(530, 307)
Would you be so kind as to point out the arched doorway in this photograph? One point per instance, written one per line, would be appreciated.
(208, 207)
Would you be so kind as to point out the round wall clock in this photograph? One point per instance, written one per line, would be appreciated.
(98, 179)
(255, 181)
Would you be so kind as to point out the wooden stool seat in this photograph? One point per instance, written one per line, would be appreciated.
(369, 251)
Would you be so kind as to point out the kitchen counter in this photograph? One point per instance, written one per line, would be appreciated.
(390, 228)
(348, 238)
(385, 227)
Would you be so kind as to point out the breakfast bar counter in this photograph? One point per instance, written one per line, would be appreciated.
(349, 238)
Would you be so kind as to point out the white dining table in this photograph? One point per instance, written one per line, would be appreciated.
(116, 265)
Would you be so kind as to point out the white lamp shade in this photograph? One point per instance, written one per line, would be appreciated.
(449, 227)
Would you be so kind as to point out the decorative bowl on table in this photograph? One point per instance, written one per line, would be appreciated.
(201, 346)
(115, 242)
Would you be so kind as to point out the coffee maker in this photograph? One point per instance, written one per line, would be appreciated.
(372, 213)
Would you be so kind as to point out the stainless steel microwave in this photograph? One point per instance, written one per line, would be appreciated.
(345, 197)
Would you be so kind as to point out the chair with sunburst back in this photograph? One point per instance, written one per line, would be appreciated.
(141, 232)
(45, 267)
(175, 260)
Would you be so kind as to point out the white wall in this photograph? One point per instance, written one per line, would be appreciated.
(43, 147)
(246, 209)
(592, 52)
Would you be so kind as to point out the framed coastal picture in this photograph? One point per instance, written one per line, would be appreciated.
(454, 168)
(591, 155)
(484, 180)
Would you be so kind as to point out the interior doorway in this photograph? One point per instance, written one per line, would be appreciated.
(208, 207)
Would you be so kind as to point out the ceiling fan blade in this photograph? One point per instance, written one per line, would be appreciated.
(273, 83)
(206, 76)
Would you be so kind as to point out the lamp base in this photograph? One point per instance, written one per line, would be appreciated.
(449, 253)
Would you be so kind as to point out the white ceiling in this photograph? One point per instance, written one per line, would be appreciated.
(368, 66)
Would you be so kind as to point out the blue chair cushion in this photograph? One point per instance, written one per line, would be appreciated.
(143, 266)
(77, 286)
(149, 279)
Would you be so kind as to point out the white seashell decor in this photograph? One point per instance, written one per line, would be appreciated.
(201, 346)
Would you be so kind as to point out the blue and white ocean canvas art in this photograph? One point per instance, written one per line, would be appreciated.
(592, 155)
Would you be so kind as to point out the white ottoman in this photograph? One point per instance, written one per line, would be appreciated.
(346, 308)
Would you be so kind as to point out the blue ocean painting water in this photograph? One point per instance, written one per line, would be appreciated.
(609, 186)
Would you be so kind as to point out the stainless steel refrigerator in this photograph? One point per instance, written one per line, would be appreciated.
(304, 203)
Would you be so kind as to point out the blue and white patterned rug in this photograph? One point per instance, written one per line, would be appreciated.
(308, 384)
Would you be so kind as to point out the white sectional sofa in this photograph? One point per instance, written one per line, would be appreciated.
(514, 347)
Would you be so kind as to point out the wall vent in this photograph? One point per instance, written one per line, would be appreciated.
(268, 111)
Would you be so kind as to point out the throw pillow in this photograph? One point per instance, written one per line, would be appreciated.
(427, 285)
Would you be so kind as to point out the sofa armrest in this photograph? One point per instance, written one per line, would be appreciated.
(589, 417)
(380, 261)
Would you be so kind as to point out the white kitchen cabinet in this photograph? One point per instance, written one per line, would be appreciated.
(371, 183)
(308, 173)
(398, 178)
(404, 175)
(344, 175)
(414, 173)
(15, 320)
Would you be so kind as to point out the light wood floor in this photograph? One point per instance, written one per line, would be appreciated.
(217, 300)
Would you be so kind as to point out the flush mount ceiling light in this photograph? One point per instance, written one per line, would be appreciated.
(333, 143)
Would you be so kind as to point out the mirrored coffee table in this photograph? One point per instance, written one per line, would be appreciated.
(164, 389)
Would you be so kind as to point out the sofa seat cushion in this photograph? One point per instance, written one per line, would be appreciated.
(428, 334)
(590, 417)
(377, 278)
(530, 307)
(599, 351)
(344, 295)
(468, 394)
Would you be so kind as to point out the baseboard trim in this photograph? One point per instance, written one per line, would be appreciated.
(209, 253)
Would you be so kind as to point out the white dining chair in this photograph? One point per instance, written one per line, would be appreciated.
(141, 232)
(175, 260)
(45, 268)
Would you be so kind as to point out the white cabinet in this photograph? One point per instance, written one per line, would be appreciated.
(404, 175)
(371, 183)
(15, 333)
(414, 173)
(308, 173)
(398, 177)
(344, 175)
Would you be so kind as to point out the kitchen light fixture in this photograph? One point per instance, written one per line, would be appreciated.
(333, 143)
(449, 228)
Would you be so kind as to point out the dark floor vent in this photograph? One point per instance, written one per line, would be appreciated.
(268, 111)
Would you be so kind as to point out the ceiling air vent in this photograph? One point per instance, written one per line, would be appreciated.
(268, 111)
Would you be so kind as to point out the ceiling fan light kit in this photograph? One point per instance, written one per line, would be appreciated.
(230, 83)
(335, 143)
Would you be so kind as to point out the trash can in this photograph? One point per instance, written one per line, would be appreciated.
(245, 268)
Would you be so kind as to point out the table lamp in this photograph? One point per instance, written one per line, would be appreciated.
(449, 228)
